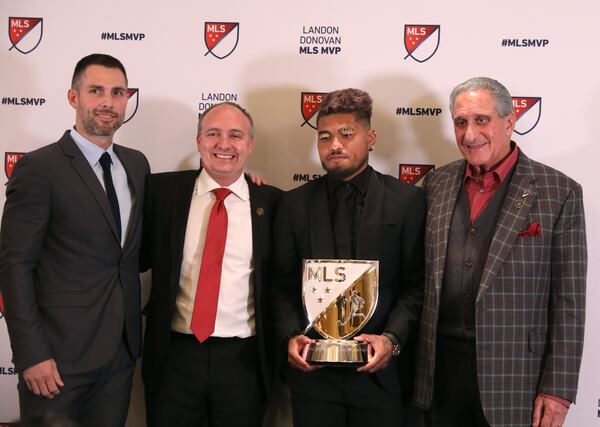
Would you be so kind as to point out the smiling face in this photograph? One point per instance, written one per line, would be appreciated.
(344, 143)
(482, 136)
(99, 100)
(225, 143)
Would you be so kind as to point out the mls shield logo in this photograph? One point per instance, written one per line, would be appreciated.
(133, 96)
(528, 110)
(10, 159)
(421, 41)
(25, 33)
(221, 38)
(309, 105)
(411, 174)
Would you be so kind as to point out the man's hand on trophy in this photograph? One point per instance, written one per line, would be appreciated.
(380, 352)
(297, 346)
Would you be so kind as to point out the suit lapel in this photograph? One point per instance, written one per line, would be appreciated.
(260, 232)
(183, 190)
(519, 198)
(136, 190)
(321, 233)
(440, 217)
(89, 178)
(368, 245)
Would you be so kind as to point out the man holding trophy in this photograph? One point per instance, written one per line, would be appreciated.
(348, 278)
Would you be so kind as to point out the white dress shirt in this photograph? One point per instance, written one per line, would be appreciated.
(235, 310)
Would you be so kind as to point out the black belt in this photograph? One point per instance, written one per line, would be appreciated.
(212, 340)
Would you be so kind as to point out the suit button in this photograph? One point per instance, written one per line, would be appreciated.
(467, 295)
(473, 230)
(468, 263)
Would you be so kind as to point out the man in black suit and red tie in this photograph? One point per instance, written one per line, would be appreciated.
(353, 212)
(501, 334)
(69, 254)
(207, 239)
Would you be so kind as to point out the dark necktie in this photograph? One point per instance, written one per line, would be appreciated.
(105, 162)
(209, 279)
(342, 222)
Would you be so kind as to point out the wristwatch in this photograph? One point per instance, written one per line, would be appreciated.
(395, 343)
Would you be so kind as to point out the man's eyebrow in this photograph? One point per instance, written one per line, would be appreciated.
(322, 132)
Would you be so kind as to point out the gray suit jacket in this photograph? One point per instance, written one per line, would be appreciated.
(531, 302)
(70, 291)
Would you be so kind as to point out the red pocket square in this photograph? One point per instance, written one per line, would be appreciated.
(533, 230)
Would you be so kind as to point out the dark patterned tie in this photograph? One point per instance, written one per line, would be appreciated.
(342, 222)
(105, 162)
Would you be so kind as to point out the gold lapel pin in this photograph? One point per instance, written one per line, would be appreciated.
(519, 204)
(260, 211)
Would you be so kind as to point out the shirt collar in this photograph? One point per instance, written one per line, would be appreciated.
(205, 184)
(500, 172)
(90, 150)
(359, 182)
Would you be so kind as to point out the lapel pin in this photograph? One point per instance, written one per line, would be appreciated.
(527, 194)
(519, 204)
(260, 211)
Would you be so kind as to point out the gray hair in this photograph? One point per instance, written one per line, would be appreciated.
(503, 100)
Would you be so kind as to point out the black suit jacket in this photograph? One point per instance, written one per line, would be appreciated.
(69, 287)
(391, 231)
(168, 199)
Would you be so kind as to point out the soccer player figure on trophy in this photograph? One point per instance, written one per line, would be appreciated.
(348, 262)
(357, 306)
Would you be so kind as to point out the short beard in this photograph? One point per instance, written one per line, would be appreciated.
(92, 128)
(342, 174)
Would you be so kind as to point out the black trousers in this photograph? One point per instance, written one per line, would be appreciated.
(456, 401)
(331, 397)
(214, 383)
(96, 398)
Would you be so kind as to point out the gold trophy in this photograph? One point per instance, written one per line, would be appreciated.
(339, 298)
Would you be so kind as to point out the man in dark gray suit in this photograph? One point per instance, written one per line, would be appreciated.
(69, 254)
(502, 328)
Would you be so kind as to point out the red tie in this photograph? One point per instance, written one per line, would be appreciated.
(209, 279)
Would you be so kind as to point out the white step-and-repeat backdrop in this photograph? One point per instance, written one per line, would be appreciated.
(277, 58)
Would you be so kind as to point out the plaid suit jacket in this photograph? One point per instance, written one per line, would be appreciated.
(530, 307)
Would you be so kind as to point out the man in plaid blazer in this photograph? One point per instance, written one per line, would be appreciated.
(502, 326)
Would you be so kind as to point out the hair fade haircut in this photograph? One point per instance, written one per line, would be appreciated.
(95, 59)
(502, 98)
(354, 101)
(234, 105)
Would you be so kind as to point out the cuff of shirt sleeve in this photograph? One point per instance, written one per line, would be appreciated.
(560, 400)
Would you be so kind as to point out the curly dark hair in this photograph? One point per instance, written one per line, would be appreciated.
(355, 101)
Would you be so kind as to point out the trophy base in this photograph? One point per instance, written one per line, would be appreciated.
(344, 353)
